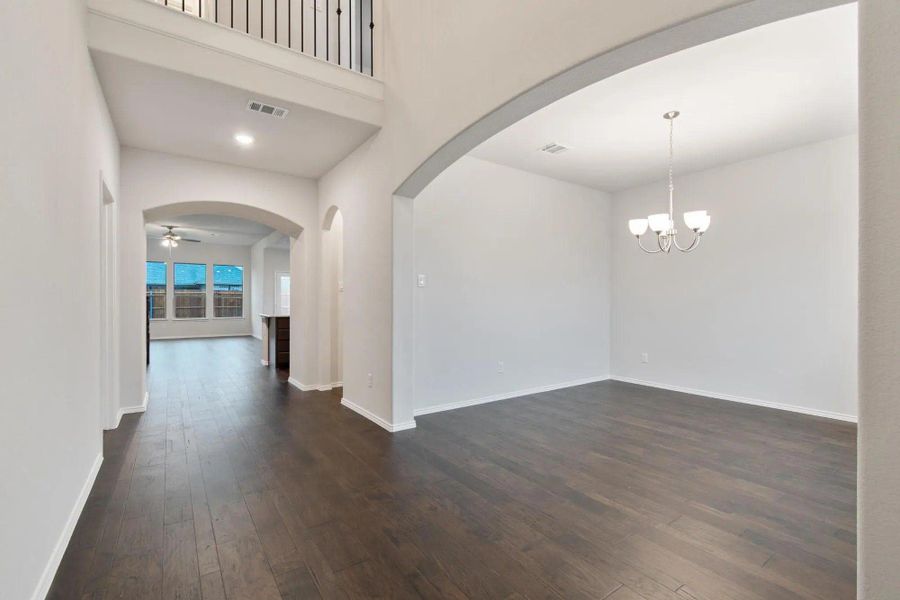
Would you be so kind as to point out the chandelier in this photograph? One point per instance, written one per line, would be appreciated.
(663, 224)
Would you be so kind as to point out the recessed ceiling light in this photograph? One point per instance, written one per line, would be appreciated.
(243, 139)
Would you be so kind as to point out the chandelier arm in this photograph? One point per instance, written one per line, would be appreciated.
(641, 244)
(664, 246)
(694, 243)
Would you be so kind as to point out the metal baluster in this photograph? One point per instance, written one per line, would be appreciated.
(262, 34)
(276, 21)
(360, 38)
(339, 31)
(302, 27)
(315, 27)
(247, 16)
(350, 36)
(232, 14)
(289, 23)
(327, 29)
(372, 38)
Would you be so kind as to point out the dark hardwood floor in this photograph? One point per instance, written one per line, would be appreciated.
(235, 485)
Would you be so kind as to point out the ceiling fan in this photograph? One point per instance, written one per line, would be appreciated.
(170, 239)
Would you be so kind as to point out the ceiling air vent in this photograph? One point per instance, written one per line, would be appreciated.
(554, 148)
(267, 109)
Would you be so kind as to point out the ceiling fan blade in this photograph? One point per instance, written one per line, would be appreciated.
(187, 240)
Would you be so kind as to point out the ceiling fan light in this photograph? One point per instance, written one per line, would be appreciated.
(695, 218)
(637, 226)
(660, 222)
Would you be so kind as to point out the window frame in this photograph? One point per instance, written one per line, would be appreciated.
(243, 292)
(205, 316)
(165, 288)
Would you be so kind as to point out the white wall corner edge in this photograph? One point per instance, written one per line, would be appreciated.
(392, 427)
(743, 400)
(427, 410)
(330, 386)
(129, 410)
(302, 386)
(46, 580)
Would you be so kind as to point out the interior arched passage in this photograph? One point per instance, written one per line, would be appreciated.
(706, 28)
(331, 322)
(303, 255)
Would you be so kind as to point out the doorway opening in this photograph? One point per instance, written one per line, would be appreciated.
(216, 285)
(332, 312)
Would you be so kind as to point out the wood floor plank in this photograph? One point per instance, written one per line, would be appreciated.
(234, 484)
(181, 576)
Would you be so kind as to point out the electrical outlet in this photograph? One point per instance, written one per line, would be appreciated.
(645, 358)
(501, 367)
(370, 380)
(420, 280)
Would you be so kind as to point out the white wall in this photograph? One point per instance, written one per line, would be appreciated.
(765, 308)
(57, 138)
(517, 270)
(275, 260)
(267, 257)
(208, 254)
(151, 180)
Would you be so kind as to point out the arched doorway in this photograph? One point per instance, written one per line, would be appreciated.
(331, 323)
(295, 244)
(694, 32)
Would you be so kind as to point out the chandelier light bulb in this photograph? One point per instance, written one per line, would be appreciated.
(638, 227)
(660, 222)
(695, 219)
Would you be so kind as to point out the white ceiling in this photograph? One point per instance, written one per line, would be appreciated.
(785, 84)
(162, 110)
(213, 229)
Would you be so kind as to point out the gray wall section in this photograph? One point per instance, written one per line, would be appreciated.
(879, 293)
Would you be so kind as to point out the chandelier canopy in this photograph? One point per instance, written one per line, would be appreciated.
(663, 224)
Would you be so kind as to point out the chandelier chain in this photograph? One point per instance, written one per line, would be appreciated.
(671, 168)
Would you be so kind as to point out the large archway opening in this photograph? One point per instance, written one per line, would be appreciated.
(233, 273)
(690, 34)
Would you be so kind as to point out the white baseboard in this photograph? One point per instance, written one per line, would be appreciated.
(62, 543)
(301, 386)
(198, 337)
(743, 400)
(427, 410)
(129, 410)
(392, 427)
(330, 386)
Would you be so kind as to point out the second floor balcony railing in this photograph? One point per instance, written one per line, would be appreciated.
(338, 31)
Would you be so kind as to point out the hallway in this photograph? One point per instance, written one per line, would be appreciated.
(236, 485)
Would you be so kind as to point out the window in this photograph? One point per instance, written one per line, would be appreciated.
(156, 289)
(228, 291)
(190, 291)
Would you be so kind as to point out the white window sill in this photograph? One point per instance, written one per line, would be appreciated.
(228, 318)
(190, 319)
